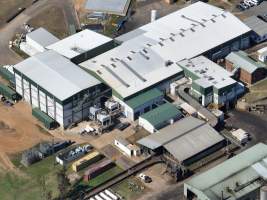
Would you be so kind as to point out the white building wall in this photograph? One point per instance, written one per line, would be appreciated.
(146, 125)
(34, 44)
(26, 91)
(34, 96)
(123, 148)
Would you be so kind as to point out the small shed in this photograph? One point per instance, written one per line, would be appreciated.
(160, 117)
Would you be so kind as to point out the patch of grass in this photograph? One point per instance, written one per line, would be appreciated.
(53, 20)
(130, 188)
(26, 186)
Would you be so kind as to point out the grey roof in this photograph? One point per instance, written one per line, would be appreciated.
(118, 7)
(123, 141)
(42, 37)
(184, 139)
(244, 169)
(209, 73)
(241, 60)
(56, 74)
(257, 25)
(183, 34)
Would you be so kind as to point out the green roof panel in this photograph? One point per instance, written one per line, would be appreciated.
(162, 113)
(144, 97)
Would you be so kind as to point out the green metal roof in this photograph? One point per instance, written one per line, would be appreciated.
(241, 60)
(239, 170)
(161, 114)
(144, 97)
(43, 117)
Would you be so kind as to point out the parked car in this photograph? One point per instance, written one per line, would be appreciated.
(123, 126)
(145, 178)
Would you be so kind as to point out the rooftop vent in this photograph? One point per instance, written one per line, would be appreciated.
(78, 50)
(99, 72)
(133, 52)
(161, 44)
(168, 63)
(172, 39)
(172, 34)
(182, 35)
(183, 30)
(142, 54)
(223, 15)
(113, 65)
(93, 61)
(145, 51)
(129, 58)
(213, 20)
(162, 39)
(193, 30)
(148, 44)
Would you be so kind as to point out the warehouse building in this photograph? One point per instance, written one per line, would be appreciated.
(82, 46)
(37, 41)
(258, 24)
(186, 141)
(142, 103)
(116, 7)
(262, 54)
(210, 82)
(57, 87)
(159, 46)
(160, 117)
(247, 69)
(239, 178)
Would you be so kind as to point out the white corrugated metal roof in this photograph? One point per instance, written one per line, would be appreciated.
(186, 33)
(118, 7)
(79, 43)
(42, 37)
(56, 74)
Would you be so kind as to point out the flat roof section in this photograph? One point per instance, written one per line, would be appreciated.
(42, 37)
(153, 50)
(79, 43)
(117, 7)
(56, 74)
(209, 73)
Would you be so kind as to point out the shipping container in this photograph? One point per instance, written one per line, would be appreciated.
(48, 122)
(8, 92)
(86, 161)
(97, 169)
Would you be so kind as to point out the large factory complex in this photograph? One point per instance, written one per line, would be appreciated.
(138, 67)
(172, 78)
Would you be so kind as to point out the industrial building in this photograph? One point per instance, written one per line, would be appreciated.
(126, 147)
(185, 142)
(116, 7)
(239, 178)
(160, 117)
(247, 69)
(210, 82)
(57, 87)
(258, 24)
(82, 45)
(262, 54)
(37, 41)
(159, 47)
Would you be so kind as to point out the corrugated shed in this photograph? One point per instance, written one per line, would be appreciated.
(240, 174)
(162, 113)
(241, 60)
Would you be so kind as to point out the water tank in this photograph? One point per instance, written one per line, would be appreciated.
(263, 193)
(153, 15)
